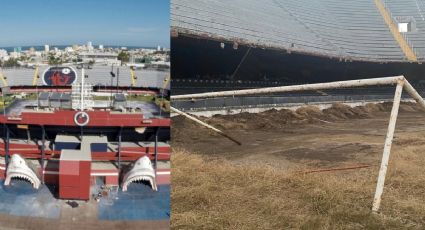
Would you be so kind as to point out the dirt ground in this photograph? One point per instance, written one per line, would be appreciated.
(261, 183)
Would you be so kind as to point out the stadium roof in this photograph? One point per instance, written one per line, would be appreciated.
(353, 30)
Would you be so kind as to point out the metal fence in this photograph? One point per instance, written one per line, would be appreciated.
(268, 101)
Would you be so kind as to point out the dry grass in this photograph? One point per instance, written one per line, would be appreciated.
(215, 194)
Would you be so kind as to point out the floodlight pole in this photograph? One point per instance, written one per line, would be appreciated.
(112, 81)
(5, 132)
(82, 101)
(82, 90)
(156, 149)
(6, 146)
(119, 148)
(36, 92)
(43, 141)
(118, 78)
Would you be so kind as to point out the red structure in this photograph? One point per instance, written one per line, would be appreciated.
(74, 174)
(103, 148)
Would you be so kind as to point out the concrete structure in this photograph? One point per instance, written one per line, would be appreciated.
(43, 99)
(74, 174)
(75, 170)
(119, 101)
(54, 100)
(100, 57)
(65, 101)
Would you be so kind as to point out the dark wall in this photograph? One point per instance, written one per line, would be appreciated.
(198, 59)
(128, 134)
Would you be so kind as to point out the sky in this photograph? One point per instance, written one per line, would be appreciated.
(66, 22)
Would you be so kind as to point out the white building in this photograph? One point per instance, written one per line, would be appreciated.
(46, 48)
(3, 55)
(89, 46)
(107, 58)
(69, 50)
(15, 55)
(101, 47)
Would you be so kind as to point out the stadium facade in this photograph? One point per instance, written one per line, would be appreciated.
(71, 127)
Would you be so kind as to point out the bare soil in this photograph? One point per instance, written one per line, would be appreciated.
(218, 184)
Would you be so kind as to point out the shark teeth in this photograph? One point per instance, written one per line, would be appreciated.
(18, 168)
(141, 171)
(141, 178)
(24, 178)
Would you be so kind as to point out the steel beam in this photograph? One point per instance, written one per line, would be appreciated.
(43, 141)
(205, 125)
(119, 148)
(156, 150)
(6, 146)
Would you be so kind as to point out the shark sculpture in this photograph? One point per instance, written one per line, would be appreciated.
(18, 168)
(141, 171)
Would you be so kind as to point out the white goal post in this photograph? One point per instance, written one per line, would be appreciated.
(400, 81)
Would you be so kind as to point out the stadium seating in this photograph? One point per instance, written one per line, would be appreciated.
(415, 9)
(97, 75)
(353, 30)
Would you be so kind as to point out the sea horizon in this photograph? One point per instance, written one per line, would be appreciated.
(61, 47)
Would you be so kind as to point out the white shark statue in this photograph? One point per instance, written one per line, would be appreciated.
(141, 171)
(18, 168)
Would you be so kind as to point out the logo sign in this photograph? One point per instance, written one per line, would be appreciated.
(81, 118)
(59, 76)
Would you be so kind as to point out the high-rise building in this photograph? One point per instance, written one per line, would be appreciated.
(46, 48)
(101, 47)
(90, 46)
